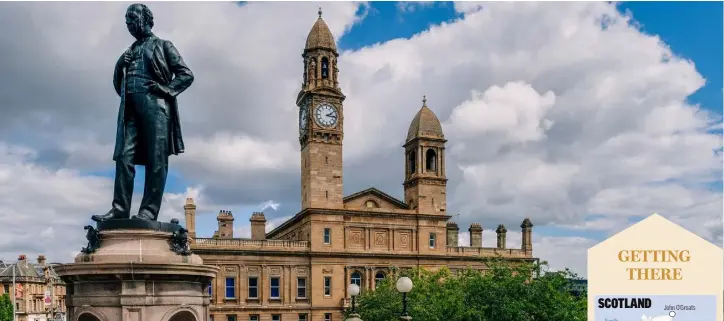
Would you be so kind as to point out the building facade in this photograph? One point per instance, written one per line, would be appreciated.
(301, 269)
(39, 292)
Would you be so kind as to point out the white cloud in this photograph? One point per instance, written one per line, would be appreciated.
(548, 115)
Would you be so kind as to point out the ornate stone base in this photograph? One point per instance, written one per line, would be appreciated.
(134, 276)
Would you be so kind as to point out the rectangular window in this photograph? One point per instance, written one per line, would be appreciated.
(7, 289)
(253, 288)
(327, 236)
(432, 240)
(327, 317)
(230, 317)
(276, 317)
(302, 317)
(230, 288)
(327, 285)
(301, 288)
(210, 289)
(254, 317)
(274, 288)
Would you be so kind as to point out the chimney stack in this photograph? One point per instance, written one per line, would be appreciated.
(258, 226)
(41, 259)
(476, 235)
(452, 234)
(501, 236)
(190, 213)
(226, 224)
(527, 229)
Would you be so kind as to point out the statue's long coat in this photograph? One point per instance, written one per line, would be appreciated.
(168, 69)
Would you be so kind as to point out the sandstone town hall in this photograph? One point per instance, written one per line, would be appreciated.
(301, 269)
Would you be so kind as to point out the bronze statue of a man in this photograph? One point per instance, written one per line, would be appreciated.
(148, 77)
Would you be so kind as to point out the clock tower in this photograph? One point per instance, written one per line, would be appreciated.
(321, 121)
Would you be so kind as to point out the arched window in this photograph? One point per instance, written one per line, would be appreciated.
(379, 277)
(357, 279)
(411, 162)
(325, 68)
(431, 161)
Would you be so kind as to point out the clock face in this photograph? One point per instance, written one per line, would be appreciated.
(303, 117)
(326, 115)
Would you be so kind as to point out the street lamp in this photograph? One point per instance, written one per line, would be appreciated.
(404, 285)
(353, 291)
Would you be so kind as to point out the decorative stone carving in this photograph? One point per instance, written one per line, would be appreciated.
(356, 237)
(405, 240)
(380, 239)
(327, 270)
(94, 240)
(230, 269)
(275, 271)
(180, 242)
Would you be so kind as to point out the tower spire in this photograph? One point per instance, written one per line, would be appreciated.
(424, 101)
(320, 12)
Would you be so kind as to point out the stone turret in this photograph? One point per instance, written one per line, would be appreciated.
(527, 229)
(452, 234)
(226, 225)
(190, 214)
(501, 231)
(258, 226)
(476, 235)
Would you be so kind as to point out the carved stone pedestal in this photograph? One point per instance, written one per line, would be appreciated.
(135, 276)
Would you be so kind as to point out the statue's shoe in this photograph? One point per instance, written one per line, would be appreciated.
(111, 215)
(142, 217)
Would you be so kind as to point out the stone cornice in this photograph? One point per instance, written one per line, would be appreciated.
(357, 255)
(344, 211)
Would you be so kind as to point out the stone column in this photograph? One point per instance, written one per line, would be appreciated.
(501, 236)
(452, 234)
(476, 235)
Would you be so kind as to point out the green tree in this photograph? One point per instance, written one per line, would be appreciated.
(6, 308)
(503, 293)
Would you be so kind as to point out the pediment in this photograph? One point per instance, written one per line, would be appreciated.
(373, 198)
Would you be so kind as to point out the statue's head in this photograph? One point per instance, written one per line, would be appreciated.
(139, 20)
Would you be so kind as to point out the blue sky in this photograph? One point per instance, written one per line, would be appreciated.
(692, 29)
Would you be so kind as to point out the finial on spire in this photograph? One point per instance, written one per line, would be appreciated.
(320, 11)
(424, 101)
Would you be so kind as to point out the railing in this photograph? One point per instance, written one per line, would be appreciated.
(242, 244)
(484, 251)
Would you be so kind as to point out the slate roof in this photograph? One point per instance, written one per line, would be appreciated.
(27, 272)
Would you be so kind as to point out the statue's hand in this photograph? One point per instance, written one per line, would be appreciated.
(159, 89)
(127, 57)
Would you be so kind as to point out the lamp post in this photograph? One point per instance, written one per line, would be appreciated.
(353, 291)
(404, 285)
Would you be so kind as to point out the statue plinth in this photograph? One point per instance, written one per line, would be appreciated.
(135, 274)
